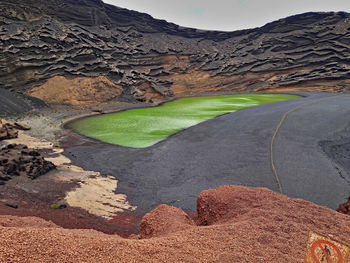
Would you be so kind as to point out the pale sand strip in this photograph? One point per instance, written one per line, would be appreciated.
(95, 193)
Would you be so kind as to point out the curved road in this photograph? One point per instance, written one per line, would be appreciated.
(234, 149)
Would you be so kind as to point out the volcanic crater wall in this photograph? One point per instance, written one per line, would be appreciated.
(149, 58)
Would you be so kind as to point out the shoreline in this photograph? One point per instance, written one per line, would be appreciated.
(50, 141)
(162, 101)
(87, 197)
(66, 124)
(124, 223)
(179, 158)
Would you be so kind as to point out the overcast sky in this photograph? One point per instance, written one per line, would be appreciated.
(228, 15)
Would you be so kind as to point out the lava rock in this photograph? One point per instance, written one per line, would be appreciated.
(18, 159)
(7, 130)
(345, 208)
(22, 126)
(12, 205)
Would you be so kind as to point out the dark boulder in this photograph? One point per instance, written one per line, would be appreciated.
(18, 159)
(345, 207)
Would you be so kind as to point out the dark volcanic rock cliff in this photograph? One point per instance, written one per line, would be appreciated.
(140, 57)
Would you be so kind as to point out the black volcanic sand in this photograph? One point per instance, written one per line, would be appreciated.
(231, 149)
(339, 151)
(15, 103)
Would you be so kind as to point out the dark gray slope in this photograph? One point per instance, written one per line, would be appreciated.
(14, 103)
(339, 150)
(231, 149)
(305, 169)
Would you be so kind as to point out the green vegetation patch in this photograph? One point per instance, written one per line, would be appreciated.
(144, 127)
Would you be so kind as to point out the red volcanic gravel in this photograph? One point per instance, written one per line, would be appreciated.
(15, 221)
(38, 205)
(237, 224)
(164, 220)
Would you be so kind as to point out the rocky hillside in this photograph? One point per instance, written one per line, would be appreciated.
(48, 46)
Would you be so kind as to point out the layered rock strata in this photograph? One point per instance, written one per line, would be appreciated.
(146, 58)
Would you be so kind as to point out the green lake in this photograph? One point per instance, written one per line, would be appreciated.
(144, 127)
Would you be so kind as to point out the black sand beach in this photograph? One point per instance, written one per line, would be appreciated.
(233, 149)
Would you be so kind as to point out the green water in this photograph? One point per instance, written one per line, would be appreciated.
(144, 127)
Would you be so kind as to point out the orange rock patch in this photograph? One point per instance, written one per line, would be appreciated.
(77, 91)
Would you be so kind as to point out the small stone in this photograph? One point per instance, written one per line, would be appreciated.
(12, 205)
(55, 206)
(98, 111)
(22, 126)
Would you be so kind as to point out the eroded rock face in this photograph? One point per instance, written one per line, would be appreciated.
(18, 159)
(151, 58)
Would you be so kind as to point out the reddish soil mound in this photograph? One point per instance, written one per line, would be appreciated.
(243, 225)
(227, 203)
(345, 208)
(164, 220)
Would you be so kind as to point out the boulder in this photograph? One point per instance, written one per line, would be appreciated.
(345, 208)
(18, 159)
(7, 130)
(22, 126)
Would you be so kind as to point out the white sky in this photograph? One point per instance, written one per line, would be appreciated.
(228, 15)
